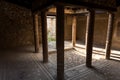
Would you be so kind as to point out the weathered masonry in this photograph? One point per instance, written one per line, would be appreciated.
(41, 7)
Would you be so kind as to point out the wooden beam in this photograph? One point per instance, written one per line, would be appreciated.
(44, 36)
(60, 41)
(109, 35)
(74, 31)
(36, 32)
(88, 4)
(89, 36)
(69, 10)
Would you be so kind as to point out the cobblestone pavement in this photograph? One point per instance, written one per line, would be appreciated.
(101, 70)
(23, 64)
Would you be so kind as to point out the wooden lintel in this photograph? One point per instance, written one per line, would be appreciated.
(109, 35)
(36, 32)
(44, 36)
(60, 41)
(69, 11)
(89, 37)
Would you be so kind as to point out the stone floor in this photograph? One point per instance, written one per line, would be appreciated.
(23, 64)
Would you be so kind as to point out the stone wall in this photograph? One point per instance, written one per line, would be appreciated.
(100, 30)
(68, 27)
(116, 37)
(81, 28)
(15, 26)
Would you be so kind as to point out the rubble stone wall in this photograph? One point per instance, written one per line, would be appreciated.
(16, 26)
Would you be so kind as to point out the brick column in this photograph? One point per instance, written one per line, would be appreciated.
(74, 31)
(60, 41)
(109, 35)
(89, 36)
(44, 36)
(36, 32)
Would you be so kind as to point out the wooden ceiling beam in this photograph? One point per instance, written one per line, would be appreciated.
(38, 5)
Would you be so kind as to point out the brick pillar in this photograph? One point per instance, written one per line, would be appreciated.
(89, 36)
(74, 31)
(44, 36)
(36, 32)
(109, 35)
(60, 41)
